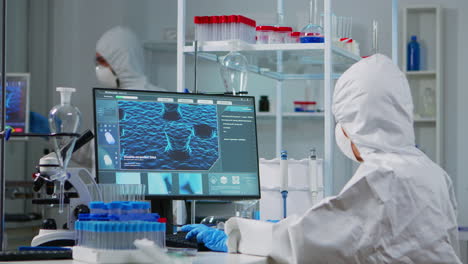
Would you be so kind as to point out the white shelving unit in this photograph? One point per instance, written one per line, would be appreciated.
(425, 21)
(283, 62)
(318, 116)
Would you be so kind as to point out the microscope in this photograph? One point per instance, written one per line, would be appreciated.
(77, 196)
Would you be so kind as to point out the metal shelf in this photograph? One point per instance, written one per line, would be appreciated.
(300, 61)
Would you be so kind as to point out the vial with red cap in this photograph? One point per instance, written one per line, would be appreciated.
(264, 34)
(281, 35)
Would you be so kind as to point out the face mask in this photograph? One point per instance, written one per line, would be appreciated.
(344, 143)
(106, 77)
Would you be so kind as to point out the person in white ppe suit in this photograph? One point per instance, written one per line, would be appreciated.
(119, 64)
(399, 207)
(120, 61)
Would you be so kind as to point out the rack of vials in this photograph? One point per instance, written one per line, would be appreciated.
(112, 228)
(218, 28)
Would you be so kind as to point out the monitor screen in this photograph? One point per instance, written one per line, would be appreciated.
(177, 144)
(17, 101)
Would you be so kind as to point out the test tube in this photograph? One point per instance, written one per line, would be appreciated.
(115, 208)
(78, 233)
(120, 235)
(146, 207)
(97, 208)
(126, 208)
(224, 27)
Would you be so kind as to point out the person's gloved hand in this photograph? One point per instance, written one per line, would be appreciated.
(213, 239)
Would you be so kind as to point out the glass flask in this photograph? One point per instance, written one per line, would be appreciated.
(63, 118)
(312, 32)
(233, 71)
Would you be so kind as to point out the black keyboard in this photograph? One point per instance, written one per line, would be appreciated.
(178, 240)
(18, 255)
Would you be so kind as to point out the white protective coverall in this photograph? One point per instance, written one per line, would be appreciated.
(399, 207)
(124, 52)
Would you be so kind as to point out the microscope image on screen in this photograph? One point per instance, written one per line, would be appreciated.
(190, 184)
(15, 101)
(159, 183)
(167, 136)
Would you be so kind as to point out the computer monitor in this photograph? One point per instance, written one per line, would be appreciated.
(17, 102)
(180, 145)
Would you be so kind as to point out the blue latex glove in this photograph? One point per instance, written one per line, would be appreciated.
(213, 239)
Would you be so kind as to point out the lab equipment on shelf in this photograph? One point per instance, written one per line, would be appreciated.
(219, 28)
(305, 106)
(265, 34)
(429, 104)
(274, 35)
(281, 35)
(264, 104)
(312, 32)
(233, 70)
(295, 37)
(63, 118)
(414, 53)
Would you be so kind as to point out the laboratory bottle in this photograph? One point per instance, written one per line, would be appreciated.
(414, 52)
(264, 104)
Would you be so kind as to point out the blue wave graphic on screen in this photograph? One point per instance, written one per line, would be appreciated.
(14, 104)
(164, 136)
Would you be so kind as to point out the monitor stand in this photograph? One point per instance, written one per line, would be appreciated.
(164, 207)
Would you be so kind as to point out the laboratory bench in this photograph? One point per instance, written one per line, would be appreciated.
(201, 258)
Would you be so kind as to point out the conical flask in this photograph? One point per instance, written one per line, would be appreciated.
(233, 71)
(63, 118)
(313, 29)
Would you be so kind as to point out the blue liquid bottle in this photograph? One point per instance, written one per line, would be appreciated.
(414, 52)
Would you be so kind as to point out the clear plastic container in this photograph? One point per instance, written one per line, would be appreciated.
(281, 34)
(294, 37)
(305, 106)
(264, 33)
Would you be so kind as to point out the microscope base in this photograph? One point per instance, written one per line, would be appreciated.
(50, 238)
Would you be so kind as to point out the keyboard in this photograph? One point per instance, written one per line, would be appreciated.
(18, 255)
(178, 240)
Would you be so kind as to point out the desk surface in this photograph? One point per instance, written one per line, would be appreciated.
(201, 258)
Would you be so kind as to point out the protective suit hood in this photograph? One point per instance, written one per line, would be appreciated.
(123, 51)
(372, 101)
(399, 206)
